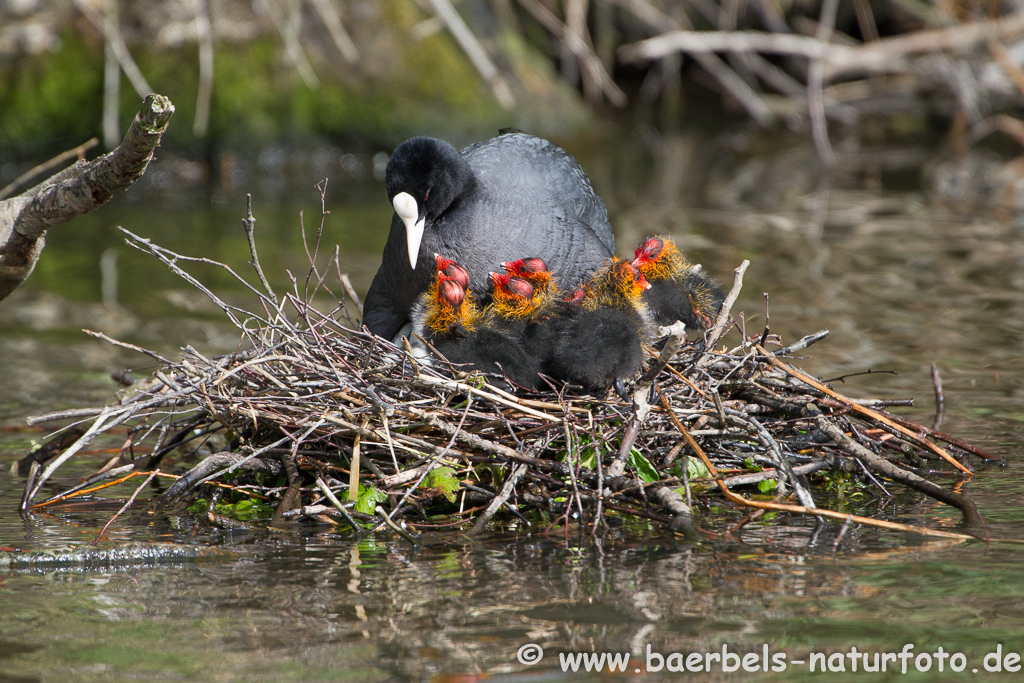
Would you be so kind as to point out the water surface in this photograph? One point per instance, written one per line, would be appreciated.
(905, 266)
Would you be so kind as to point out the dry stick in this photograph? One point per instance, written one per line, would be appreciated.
(351, 291)
(885, 468)
(329, 494)
(579, 47)
(33, 420)
(764, 475)
(722, 321)
(940, 400)
(941, 436)
(125, 506)
(200, 474)
(781, 463)
(640, 406)
(482, 443)
(801, 344)
(800, 509)
(632, 430)
(877, 56)
(205, 91)
(249, 224)
(331, 20)
(815, 104)
(33, 471)
(461, 386)
(394, 527)
(353, 469)
(132, 347)
(476, 53)
(656, 20)
(78, 152)
(863, 410)
(499, 500)
(116, 41)
(111, 417)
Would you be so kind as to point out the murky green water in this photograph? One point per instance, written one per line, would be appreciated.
(902, 278)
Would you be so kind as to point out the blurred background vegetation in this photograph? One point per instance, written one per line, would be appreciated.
(369, 73)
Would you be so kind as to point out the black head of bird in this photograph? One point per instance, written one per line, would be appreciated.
(423, 178)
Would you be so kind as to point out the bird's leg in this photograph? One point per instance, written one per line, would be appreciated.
(620, 389)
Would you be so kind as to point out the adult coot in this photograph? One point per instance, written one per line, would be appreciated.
(489, 203)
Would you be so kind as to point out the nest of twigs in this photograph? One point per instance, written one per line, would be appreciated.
(317, 419)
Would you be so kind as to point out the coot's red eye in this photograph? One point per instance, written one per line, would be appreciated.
(426, 196)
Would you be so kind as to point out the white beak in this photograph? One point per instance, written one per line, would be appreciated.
(405, 207)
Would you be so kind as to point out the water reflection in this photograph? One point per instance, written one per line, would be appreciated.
(302, 607)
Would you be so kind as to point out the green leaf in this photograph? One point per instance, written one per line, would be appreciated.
(244, 510)
(443, 479)
(588, 458)
(643, 466)
(368, 499)
(766, 486)
(695, 469)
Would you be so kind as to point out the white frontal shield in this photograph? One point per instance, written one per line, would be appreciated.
(405, 207)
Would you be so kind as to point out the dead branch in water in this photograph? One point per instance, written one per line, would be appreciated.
(78, 189)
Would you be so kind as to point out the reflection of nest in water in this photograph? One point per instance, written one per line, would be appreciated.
(315, 402)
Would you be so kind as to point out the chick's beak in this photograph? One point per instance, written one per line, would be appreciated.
(408, 211)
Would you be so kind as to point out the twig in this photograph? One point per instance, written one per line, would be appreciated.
(329, 494)
(476, 53)
(801, 344)
(940, 399)
(867, 521)
(249, 224)
(125, 506)
(716, 332)
(819, 127)
(887, 469)
(77, 152)
(394, 527)
(868, 412)
(351, 291)
(499, 500)
(204, 94)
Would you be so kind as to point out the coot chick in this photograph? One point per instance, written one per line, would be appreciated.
(534, 271)
(678, 290)
(597, 342)
(512, 302)
(453, 270)
(489, 203)
(447, 317)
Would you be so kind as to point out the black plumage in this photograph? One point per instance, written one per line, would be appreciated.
(490, 203)
(598, 340)
(447, 317)
(594, 349)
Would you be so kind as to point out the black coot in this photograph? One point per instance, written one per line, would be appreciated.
(491, 202)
